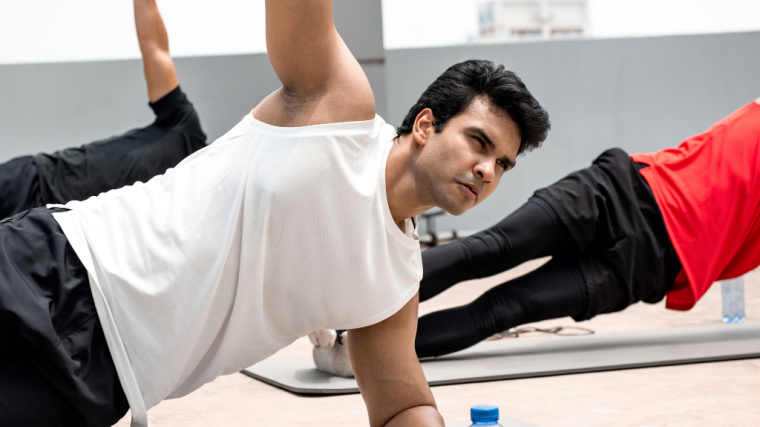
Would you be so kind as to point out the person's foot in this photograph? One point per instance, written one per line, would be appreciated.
(323, 337)
(330, 352)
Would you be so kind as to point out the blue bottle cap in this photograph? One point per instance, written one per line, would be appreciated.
(484, 413)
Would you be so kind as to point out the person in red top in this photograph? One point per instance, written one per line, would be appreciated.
(629, 228)
(708, 190)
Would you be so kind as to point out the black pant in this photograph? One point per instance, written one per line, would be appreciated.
(19, 186)
(55, 367)
(609, 247)
(78, 173)
(555, 289)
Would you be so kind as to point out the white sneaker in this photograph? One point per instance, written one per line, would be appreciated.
(323, 338)
(330, 352)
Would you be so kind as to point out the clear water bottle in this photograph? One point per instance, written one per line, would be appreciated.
(732, 298)
(484, 415)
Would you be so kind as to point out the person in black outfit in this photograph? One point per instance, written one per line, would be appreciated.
(609, 247)
(55, 273)
(138, 155)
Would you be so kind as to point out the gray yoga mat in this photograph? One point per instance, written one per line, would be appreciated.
(538, 357)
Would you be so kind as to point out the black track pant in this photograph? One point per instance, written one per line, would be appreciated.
(609, 246)
(554, 290)
(55, 366)
(19, 186)
(77, 173)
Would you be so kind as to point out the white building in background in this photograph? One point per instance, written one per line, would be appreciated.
(504, 20)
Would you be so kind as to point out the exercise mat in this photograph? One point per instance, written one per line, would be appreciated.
(511, 358)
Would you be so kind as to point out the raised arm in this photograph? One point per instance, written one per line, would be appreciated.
(388, 373)
(160, 75)
(321, 80)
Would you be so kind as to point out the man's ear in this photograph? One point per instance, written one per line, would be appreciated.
(423, 126)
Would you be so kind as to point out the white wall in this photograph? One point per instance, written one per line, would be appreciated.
(84, 30)
(637, 18)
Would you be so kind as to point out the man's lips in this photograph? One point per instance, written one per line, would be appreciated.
(470, 189)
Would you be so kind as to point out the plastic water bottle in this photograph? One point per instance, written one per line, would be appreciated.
(484, 415)
(732, 298)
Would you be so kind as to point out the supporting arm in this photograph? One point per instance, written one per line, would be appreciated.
(389, 374)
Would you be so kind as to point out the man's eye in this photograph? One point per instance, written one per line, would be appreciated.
(480, 141)
(503, 165)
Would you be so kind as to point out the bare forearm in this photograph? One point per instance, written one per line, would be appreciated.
(158, 66)
(417, 416)
(388, 373)
(151, 32)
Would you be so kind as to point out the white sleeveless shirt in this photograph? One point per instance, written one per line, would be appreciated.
(245, 246)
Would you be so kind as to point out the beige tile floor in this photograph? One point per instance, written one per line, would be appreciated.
(708, 394)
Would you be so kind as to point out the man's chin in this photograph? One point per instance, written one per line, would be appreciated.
(456, 210)
(454, 203)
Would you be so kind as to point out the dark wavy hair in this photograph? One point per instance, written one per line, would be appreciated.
(452, 92)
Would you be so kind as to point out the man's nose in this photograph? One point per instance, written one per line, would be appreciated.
(485, 170)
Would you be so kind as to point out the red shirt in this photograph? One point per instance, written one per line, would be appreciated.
(708, 189)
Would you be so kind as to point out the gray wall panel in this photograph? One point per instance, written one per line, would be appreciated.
(225, 88)
(360, 24)
(49, 106)
(44, 107)
(639, 94)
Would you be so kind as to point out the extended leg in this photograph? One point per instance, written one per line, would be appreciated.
(532, 231)
(554, 290)
(77, 173)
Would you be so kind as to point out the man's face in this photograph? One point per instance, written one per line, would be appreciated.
(463, 164)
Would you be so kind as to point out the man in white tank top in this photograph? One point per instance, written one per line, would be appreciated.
(301, 217)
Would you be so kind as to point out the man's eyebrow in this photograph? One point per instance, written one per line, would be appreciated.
(484, 136)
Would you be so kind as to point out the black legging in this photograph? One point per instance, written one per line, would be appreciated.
(19, 186)
(554, 290)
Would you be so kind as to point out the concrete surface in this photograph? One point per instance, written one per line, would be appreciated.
(708, 394)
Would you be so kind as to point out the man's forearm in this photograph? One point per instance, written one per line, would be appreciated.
(158, 66)
(151, 32)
